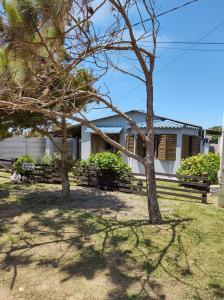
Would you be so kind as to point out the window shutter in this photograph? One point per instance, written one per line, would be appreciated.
(161, 147)
(97, 144)
(138, 148)
(190, 145)
(185, 146)
(129, 144)
(195, 146)
(166, 146)
(171, 144)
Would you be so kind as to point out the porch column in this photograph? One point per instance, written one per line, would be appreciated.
(178, 150)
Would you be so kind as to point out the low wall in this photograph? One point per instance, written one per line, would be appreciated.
(14, 147)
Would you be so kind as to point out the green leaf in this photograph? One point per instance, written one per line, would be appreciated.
(13, 15)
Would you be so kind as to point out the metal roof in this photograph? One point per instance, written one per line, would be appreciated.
(106, 129)
(163, 122)
(168, 124)
(113, 114)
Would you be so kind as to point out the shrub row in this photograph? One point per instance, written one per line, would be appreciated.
(198, 165)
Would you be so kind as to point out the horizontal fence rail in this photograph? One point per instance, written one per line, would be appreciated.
(6, 165)
(187, 187)
(190, 187)
(41, 173)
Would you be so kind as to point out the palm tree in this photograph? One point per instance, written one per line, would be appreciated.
(35, 60)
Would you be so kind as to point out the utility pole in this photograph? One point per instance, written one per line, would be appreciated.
(221, 174)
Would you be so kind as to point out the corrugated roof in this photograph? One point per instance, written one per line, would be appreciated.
(106, 129)
(167, 124)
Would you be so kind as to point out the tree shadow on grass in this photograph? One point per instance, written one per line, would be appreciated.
(109, 255)
(124, 250)
(38, 201)
(218, 290)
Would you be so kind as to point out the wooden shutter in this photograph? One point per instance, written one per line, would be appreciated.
(171, 140)
(129, 143)
(97, 144)
(138, 146)
(161, 147)
(185, 151)
(190, 146)
(166, 146)
(195, 145)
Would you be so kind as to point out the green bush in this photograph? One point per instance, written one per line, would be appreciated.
(19, 167)
(200, 165)
(108, 161)
(109, 168)
(50, 159)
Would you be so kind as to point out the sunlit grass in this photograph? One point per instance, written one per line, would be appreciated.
(101, 246)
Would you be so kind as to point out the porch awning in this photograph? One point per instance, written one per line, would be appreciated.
(106, 129)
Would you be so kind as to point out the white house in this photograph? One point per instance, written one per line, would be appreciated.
(174, 140)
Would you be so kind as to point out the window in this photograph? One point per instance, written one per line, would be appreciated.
(140, 148)
(129, 142)
(166, 146)
(99, 145)
(190, 145)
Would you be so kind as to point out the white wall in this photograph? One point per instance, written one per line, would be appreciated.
(110, 121)
(160, 166)
(13, 147)
(165, 166)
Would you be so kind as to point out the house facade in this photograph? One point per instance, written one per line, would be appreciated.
(174, 140)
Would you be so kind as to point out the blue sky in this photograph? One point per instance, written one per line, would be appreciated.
(192, 87)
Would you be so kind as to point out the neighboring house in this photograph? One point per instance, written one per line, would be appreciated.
(213, 137)
(174, 140)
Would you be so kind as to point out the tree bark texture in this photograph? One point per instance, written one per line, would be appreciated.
(153, 206)
(64, 163)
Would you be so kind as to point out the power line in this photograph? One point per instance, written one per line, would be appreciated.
(194, 49)
(190, 43)
(166, 12)
(191, 47)
(147, 20)
(157, 16)
(177, 57)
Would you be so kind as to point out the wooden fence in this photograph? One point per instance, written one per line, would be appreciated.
(6, 165)
(190, 187)
(45, 174)
(42, 173)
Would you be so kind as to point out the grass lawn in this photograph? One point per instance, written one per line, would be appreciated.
(100, 246)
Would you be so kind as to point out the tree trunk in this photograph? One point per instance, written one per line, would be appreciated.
(153, 206)
(64, 163)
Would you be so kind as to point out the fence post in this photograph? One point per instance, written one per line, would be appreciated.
(204, 195)
(140, 185)
(204, 198)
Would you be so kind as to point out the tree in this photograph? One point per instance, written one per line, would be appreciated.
(18, 122)
(215, 132)
(81, 44)
(33, 64)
